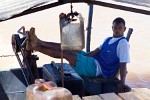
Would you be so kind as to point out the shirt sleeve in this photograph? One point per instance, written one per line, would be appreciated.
(123, 51)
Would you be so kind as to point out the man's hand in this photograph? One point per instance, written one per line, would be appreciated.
(93, 53)
(123, 88)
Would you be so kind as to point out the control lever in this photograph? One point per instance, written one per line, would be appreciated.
(55, 66)
(66, 73)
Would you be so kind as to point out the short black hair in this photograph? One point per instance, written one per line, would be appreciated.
(119, 20)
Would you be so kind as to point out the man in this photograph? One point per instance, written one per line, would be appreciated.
(104, 60)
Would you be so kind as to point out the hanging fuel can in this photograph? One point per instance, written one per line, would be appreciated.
(72, 32)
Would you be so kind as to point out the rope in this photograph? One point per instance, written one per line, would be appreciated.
(7, 56)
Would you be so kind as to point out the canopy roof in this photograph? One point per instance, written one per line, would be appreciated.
(15, 8)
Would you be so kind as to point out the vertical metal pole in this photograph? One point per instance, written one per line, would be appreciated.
(62, 69)
(89, 28)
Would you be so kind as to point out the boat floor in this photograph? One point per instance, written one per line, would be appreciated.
(13, 87)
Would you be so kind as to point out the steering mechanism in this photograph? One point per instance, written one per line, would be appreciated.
(27, 61)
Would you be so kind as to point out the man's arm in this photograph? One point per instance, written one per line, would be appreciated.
(93, 53)
(123, 72)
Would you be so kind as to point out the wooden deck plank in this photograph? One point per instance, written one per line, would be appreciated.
(110, 96)
(94, 97)
(76, 97)
(135, 94)
(143, 92)
(130, 96)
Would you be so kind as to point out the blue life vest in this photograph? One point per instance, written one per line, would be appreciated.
(107, 58)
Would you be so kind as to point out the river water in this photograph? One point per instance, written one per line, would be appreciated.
(47, 28)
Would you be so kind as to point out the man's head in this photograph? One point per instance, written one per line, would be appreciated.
(118, 27)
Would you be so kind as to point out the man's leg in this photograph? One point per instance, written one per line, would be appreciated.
(48, 48)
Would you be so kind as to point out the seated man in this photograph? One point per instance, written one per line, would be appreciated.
(104, 60)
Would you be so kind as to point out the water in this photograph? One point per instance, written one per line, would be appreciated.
(47, 28)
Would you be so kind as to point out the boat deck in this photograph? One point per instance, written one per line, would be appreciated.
(13, 87)
(135, 94)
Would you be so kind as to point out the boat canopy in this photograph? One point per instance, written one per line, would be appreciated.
(15, 8)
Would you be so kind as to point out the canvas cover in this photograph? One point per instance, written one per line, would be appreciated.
(15, 8)
(9, 8)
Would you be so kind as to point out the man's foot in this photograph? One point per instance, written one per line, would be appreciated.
(32, 39)
(62, 15)
(28, 44)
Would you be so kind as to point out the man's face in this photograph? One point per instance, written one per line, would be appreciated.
(118, 29)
